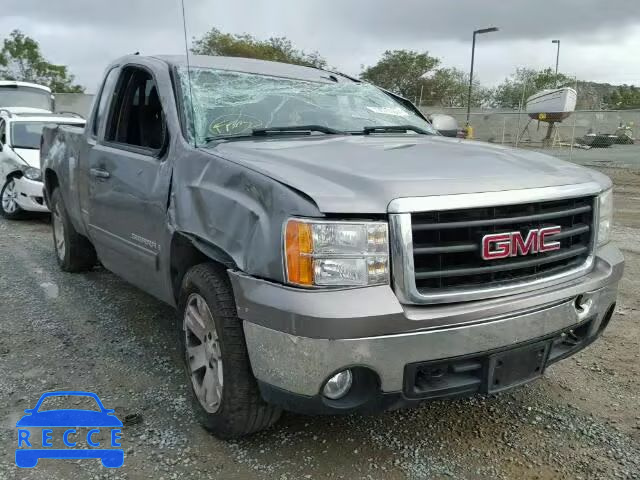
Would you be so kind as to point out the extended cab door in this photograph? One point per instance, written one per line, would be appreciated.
(129, 181)
(93, 131)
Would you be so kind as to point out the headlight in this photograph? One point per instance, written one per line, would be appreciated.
(33, 173)
(336, 253)
(605, 220)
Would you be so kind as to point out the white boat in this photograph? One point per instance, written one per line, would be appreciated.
(552, 105)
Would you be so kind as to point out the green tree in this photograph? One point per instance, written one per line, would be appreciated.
(401, 72)
(277, 49)
(624, 97)
(449, 87)
(21, 59)
(524, 83)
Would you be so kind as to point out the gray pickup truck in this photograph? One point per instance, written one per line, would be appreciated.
(327, 250)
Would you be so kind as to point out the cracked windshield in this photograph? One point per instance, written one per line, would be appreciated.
(234, 103)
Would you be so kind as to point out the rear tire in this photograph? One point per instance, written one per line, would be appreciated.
(223, 390)
(9, 208)
(73, 251)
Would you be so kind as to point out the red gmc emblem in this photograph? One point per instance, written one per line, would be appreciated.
(512, 244)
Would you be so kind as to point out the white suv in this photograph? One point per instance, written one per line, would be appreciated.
(20, 175)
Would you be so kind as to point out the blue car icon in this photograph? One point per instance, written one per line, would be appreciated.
(31, 448)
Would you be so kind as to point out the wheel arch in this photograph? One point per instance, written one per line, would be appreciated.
(50, 183)
(13, 174)
(187, 251)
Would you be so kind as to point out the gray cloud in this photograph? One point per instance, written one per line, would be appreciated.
(450, 20)
(87, 34)
(111, 14)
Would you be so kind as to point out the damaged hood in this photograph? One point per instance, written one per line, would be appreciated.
(362, 174)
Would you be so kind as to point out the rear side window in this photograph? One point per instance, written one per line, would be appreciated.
(137, 118)
(106, 94)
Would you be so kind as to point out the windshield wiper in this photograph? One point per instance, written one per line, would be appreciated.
(25, 147)
(263, 132)
(394, 129)
(301, 129)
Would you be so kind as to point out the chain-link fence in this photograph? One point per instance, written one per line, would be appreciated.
(568, 122)
(608, 135)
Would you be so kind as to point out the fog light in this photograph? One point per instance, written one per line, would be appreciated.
(338, 385)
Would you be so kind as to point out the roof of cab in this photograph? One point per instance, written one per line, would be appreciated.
(249, 65)
(14, 83)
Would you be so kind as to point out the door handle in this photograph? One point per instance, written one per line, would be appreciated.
(100, 173)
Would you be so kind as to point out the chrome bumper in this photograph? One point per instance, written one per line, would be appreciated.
(297, 339)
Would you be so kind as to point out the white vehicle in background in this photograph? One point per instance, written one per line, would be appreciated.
(20, 175)
(36, 98)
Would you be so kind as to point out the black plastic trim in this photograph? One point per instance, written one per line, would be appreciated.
(418, 226)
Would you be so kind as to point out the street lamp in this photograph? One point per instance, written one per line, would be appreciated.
(473, 53)
(557, 59)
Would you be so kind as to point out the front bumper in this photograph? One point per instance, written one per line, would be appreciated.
(297, 339)
(30, 195)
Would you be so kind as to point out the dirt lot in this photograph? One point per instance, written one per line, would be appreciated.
(94, 332)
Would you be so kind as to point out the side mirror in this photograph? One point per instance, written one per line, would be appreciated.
(445, 124)
(1, 147)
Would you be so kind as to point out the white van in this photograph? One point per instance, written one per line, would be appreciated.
(37, 98)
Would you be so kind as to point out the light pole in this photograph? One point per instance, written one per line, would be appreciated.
(557, 59)
(473, 54)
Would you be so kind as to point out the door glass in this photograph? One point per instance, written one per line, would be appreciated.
(105, 99)
(137, 118)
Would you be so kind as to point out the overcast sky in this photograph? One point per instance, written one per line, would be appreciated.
(600, 40)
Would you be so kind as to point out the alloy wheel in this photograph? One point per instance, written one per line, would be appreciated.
(9, 195)
(203, 354)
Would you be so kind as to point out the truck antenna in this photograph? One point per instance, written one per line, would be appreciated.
(186, 48)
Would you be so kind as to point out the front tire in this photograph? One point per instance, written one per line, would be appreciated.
(9, 207)
(224, 392)
(73, 251)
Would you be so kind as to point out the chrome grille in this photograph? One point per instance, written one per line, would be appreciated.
(446, 244)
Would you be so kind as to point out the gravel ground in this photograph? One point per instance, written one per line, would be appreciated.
(94, 332)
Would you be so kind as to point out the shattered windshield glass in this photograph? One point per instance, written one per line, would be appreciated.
(227, 103)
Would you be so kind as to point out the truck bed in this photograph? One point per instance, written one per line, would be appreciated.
(60, 149)
(58, 143)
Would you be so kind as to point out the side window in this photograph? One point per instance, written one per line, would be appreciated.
(106, 94)
(137, 118)
(3, 133)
